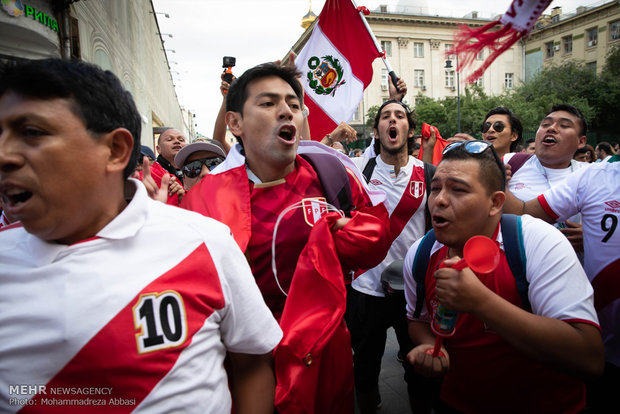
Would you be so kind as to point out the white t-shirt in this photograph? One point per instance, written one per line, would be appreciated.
(595, 193)
(484, 367)
(412, 221)
(532, 179)
(144, 312)
(558, 286)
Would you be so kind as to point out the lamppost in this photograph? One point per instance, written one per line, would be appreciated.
(458, 91)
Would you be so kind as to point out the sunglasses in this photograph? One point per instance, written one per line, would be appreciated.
(477, 147)
(192, 169)
(498, 126)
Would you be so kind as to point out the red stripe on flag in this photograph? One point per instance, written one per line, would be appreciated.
(408, 204)
(111, 357)
(342, 24)
(321, 123)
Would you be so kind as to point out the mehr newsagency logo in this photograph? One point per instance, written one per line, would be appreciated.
(325, 75)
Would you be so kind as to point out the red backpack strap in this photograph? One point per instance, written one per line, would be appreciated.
(517, 161)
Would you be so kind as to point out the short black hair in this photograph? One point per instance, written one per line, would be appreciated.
(572, 110)
(238, 91)
(515, 123)
(492, 171)
(411, 121)
(96, 97)
(529, 141)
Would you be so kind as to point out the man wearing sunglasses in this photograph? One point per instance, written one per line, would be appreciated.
(198, 159)
(499, 344)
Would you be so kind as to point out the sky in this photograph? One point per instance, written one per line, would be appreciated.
(257, 31)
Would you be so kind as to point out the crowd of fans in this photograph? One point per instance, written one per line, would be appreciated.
(264, 275)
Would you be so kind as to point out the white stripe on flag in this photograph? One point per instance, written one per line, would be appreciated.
(341, 103)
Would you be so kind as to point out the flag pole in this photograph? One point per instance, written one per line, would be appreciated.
(363, 10)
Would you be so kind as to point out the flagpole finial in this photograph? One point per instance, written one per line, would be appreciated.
(310, 17)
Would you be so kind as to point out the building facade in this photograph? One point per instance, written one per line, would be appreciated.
(586, 35)
(415, 44)
(118, 35)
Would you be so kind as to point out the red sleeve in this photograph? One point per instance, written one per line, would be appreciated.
(364, 241)
(546, 207)
(157, 172)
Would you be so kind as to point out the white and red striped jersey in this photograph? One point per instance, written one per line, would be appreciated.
(595, 193)
(406, 199)
(139, 317)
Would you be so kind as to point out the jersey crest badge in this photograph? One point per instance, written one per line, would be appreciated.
(416, 188)
(314, 208)
(325, 75)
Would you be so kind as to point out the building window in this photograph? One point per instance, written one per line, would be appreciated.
(614, 30)
(418, 49)
(449, 79)
(418, 78)
(549, 50)
(480, 81)
(384, 80)
(592, 37)
(356, 115)
(509, 81)
(591, 66)
(449, 49)
(567, 44)
(383, 8)
(480, 56)
(386, 45)
(74, 30)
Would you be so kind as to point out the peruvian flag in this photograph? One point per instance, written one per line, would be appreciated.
(336, 66)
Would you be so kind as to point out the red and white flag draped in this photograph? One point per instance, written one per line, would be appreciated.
(498, 36)
(336, 66)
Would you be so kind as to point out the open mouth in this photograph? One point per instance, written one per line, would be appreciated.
(490, 138)
(14, 197)
(287, 133)
(549, 140)
(392, 132)
(439, 221)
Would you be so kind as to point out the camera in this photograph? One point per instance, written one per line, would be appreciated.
(228, 62)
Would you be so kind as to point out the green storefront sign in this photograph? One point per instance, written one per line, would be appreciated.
(15, 8)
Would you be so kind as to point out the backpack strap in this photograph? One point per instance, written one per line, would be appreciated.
(420, 267)
(517, 160)
(429, 172)
(334, 180)
(512, 235)
(369, 168)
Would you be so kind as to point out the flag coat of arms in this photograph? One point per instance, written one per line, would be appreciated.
(336, 66)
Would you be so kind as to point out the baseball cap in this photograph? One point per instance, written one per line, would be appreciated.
(148, 152)
(186, 151)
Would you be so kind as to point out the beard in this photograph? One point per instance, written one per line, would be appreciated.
(393, 150)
